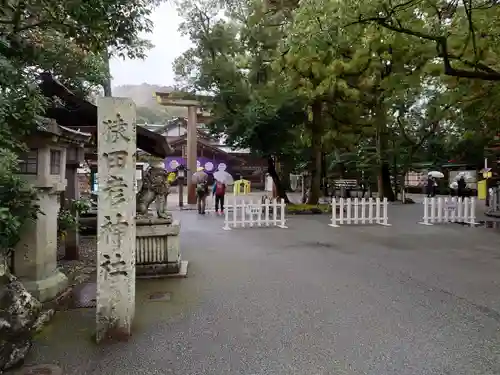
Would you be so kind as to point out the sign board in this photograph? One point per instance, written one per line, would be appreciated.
(451, 206)
(254, 209)
(346, 183)
(176, 102)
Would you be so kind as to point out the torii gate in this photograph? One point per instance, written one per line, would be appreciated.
(164, 98)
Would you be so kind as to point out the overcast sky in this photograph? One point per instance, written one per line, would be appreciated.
(157, 68)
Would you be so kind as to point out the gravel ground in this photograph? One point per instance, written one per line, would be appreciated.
(81, 270)
(309, 300)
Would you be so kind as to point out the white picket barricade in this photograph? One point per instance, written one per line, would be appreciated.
(359, 211)
(449, 210)
(255, 214)
(494, 199)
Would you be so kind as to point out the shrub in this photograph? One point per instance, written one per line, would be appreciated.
(308, 209)
(67, 218)
(18, 201)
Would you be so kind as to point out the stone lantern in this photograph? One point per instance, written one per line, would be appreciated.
(44, 167)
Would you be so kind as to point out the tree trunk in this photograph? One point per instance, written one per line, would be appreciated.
(384, 177)
(402, 178)
(106, 85)
(395, 181)
(385, 183)
(285, 174)
(341, 170)
(402, 187)
(324, 180)
(271, 169)
(316, 149)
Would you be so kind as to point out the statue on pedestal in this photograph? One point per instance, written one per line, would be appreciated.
(157, 237)
(155, 186)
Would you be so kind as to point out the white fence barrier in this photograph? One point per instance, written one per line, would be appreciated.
(494, 200)
(449, 210)
(255, 214)
(359, 211)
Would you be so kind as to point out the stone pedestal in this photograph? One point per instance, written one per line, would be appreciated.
(35, 257)
(157, 247)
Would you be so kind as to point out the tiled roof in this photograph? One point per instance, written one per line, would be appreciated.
(47, 125)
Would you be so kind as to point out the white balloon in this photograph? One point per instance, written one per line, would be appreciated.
(174, 164)
(222, 167)
(209, 166)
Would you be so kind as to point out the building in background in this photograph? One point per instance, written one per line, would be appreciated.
(211, 152)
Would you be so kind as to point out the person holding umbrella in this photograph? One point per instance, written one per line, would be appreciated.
(200, 178)
(430, 187)
(432, 183)
(461, 186)
(222, 179)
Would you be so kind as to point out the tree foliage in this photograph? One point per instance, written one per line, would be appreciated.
(68, 39)
(378, 85)
(18, 201)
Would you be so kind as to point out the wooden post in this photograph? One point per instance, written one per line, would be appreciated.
(191, 153)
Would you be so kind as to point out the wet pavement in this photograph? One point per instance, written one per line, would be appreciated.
(311, 300)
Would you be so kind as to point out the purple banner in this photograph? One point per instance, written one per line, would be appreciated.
(209, 165)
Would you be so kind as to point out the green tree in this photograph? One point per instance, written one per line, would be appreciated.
(66, 39)
(465, 41)
(18, 202)
(368, 91)
(352, 75)
(231, 61)
(464, 34)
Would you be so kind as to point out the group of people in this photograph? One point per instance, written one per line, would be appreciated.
(461, 186)
(218, 191)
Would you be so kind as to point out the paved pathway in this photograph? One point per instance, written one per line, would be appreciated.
(308, 300)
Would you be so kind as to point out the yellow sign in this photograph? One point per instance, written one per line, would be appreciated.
(241, 183)
(481, 190)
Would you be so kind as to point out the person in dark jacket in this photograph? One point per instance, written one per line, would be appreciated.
(462, 186)
(431, 187)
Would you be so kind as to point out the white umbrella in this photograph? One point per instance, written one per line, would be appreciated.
(435, 174)
(198, 177)
(466, 176)
(224, 177)
(454, 185)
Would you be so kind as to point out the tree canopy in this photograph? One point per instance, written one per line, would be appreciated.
(70, 40)
(377, 85)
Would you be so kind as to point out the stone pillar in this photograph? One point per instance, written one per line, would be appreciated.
(116, 218)
(72, 239)
(35, 257)
(191, 153)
